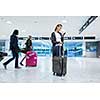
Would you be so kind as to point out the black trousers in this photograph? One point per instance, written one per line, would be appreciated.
(25, 50)
(15, 56)
(56, 50)
(23, 59)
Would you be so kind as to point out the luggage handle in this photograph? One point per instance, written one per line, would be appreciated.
(61, 54)
(59, 51)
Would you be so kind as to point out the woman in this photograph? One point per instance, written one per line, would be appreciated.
(14, 48)
(27, 48)
(57, 47)
(57, 41)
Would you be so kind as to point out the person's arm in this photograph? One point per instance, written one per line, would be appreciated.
(62, 39)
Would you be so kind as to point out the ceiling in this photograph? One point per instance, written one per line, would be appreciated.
(93, 28)
(40, 25)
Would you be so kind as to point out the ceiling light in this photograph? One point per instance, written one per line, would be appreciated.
(2, 19)
(35, 21)
(9, 22)
(64, 21)
(23, 31)
(3, 35)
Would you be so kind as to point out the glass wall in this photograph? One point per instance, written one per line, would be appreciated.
(2, 45)
(91, 46)
(43, 48)
(73, 49)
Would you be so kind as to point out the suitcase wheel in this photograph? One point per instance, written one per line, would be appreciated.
(54, 73)
(64, 74)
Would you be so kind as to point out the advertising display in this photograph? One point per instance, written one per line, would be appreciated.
(42, 48)
(73, 49)
(91, 46)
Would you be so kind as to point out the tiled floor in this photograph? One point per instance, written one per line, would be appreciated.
(78, 70)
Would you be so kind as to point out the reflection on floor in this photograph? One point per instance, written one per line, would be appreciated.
(78, 70)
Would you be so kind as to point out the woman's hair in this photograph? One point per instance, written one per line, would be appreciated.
(15, 32)
(58, 25)
(29, 36)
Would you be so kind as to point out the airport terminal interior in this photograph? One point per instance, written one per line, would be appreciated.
(81, 47)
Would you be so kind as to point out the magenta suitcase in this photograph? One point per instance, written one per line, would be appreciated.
(31, 59)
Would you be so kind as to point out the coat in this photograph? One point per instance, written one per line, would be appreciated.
(53, 38)
(14, 42)
(54, 42)
(28, 45)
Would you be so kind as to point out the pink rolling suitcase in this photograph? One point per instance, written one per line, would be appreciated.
(31, 59)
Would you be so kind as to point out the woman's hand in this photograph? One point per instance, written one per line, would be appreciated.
(61, 43)
(63, 32)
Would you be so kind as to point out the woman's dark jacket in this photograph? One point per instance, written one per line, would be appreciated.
(28, 45)
(54, 42)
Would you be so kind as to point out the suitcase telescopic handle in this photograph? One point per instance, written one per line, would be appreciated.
(61, 53)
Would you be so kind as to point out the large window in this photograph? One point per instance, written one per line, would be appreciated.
(2, 45)
(44, 47)
(91, 46)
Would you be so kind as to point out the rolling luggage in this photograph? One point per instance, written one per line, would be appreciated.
(59, 64)
(31, 59)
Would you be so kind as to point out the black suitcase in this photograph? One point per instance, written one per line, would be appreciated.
(59, 65)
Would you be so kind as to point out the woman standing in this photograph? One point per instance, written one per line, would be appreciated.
(57, 41)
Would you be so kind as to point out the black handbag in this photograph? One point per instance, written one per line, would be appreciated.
(2, 54)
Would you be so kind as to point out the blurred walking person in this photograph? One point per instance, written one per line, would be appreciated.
(14, 48)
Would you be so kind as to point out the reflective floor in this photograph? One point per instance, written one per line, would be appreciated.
(79, 70)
